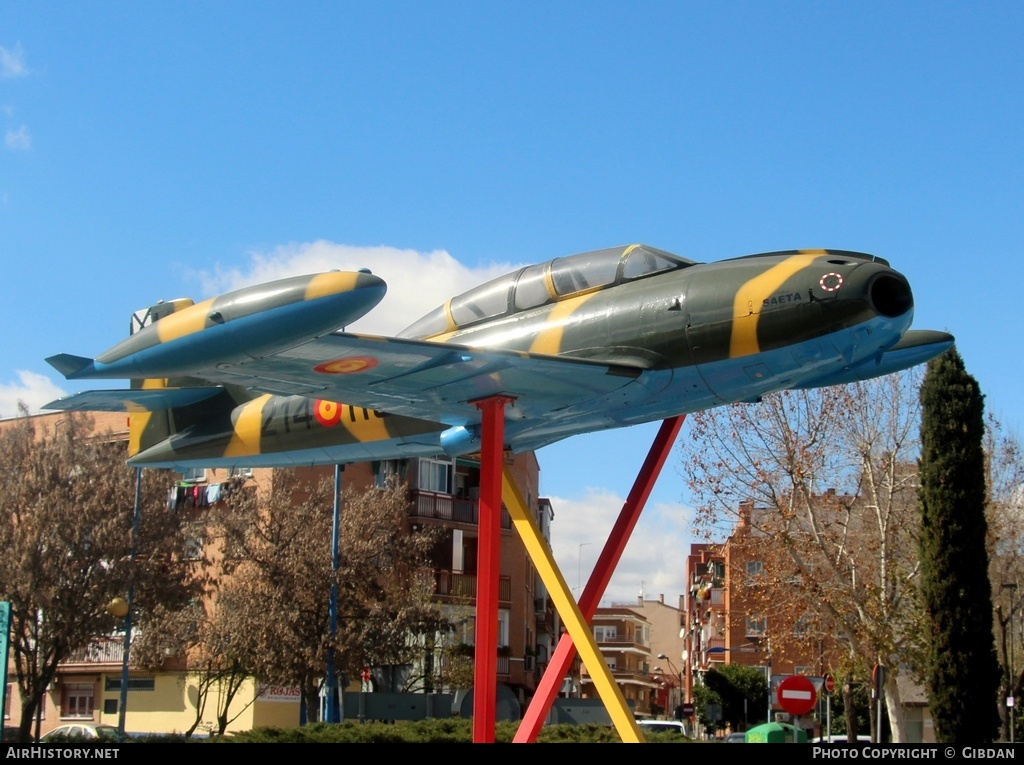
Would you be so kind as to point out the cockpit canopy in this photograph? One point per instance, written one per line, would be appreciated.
(537, 285)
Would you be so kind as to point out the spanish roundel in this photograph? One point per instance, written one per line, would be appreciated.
(327, 413)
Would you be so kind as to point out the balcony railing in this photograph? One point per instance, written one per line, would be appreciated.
(502, 666)
(108, 650)
(444, 507)
(621, 642)
(455, 585)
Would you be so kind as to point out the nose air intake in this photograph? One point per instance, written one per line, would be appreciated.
(890, 295)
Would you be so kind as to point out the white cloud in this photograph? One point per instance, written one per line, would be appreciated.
(34, 390)
(417, 281)
(653, 562)
(12, 62)
(18, 140)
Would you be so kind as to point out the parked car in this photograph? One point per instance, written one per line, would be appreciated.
(736, 738)
(662, 726)
(840, 738)
(83, 730)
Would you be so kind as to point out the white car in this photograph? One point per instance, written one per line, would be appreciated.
(662, 726)
(81, 731)
(840, 738)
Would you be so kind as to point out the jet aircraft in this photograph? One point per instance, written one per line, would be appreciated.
(268, 376)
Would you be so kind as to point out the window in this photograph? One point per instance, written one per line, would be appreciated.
(238, 471)
(754, 569)
(605, 634)
(435, 476)
(76, 700)
(503, 619)
(193, 474)
(193, 548)
(802, 625)
(531, 287)
(134, 684)
(386, 470)
(755, 625)
(483, 302)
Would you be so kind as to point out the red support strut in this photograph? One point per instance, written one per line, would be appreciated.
(565, 652)
(485, 667)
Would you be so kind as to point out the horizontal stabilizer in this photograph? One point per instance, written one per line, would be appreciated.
(916, 347)
(135, 400)
(68, 364)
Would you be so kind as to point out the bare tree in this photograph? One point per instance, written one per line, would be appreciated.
(1005, 513)
(278, 556)
(828, 477)
(67, 503)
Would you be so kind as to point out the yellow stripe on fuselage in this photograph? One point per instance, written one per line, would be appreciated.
(368, 425)
(549, 339)
(245, 439)
(183, 322)
(750, 296)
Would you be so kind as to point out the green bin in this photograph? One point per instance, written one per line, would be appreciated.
(776, 733)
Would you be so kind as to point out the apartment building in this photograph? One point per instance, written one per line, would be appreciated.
(666, 650)
(623, 637)
(727, 618)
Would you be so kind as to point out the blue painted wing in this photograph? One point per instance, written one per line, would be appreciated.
(432, 381)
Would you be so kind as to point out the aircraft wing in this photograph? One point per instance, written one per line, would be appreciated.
(134, 400)
(428, 380)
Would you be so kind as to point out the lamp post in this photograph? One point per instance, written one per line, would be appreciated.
(120, 608)
(679, 681)
(1011, 677)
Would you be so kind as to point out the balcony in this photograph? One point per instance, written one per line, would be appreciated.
(449, 509)
(450, 584)
(105, 650)
(621, 644)
(503, 660)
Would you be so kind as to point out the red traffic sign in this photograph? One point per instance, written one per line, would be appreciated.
(829, 683)
(687, 710)
(797, 695)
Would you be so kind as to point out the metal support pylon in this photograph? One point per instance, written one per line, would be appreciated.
(566, 650)
(485, 666)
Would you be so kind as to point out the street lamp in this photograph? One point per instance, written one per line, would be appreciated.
(120, 608)
(679, 677)
(1010, 701)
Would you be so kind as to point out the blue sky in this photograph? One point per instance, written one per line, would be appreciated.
(161, 150)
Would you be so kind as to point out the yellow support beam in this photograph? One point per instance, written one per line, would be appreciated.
(565, 604)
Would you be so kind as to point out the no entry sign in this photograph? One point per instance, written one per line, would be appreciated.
(797, 695)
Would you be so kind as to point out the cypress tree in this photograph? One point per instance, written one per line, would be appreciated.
(963, 672)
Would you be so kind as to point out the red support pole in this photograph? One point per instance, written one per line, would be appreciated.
(565, 652)
(485, 666)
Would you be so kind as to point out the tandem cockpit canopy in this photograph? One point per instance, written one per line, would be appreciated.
(537, 285)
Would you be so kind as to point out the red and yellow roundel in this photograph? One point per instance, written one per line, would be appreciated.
(346, 366)
(327, 413)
